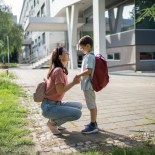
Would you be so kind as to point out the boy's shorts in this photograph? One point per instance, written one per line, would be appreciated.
(90, 98)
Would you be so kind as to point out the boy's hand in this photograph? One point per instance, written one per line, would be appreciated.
(76, 80)
(78, 76)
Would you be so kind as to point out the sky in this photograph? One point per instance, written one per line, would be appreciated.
(16, 6)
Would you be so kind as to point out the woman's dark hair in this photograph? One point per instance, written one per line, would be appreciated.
(55, 59)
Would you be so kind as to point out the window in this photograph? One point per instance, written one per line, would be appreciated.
(38, 14)
(153, 55)
(113, 56)
(39, 41)
(110, 56)
(34, 3)
(147, 56)
(43, 38)
(116, 56)
(35, 41)
(43, 10)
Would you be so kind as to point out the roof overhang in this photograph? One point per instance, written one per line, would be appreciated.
(48, 24)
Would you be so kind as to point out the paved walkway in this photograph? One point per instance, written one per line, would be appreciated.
(125, 107)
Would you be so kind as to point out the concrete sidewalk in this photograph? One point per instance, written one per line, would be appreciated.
(125, 107)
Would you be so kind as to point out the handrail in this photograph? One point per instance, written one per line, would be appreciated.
(33, 58)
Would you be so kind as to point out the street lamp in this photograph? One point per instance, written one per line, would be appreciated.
(7, 69)
(8, 50)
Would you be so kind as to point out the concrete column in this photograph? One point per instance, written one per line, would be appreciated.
(111, 20)
(99, 27)
(48, 5)
(72, 21)
(119, 17)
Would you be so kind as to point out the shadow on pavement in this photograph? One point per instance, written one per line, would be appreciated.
(101, 137)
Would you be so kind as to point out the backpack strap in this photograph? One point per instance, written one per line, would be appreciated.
(91, 76)
(49, 74)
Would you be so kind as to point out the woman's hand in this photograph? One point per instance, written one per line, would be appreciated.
(60, 88)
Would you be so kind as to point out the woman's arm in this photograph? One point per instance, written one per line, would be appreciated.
(60, 88)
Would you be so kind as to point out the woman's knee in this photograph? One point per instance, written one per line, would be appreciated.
(79, 105)
(77, 115)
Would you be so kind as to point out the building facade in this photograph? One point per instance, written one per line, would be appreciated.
(38, 44)
(112, 23)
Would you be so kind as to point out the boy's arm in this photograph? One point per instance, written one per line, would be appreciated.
(86, 72)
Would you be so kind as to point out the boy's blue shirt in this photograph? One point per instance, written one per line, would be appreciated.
(88, 62)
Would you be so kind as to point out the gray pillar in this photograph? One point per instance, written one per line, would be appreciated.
(119, 16)
(72, 21)
(47, 7)
(99, 27)
(111, 20)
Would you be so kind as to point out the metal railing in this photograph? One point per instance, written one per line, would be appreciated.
(35, 56)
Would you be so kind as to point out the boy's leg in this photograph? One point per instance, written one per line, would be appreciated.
(93, 114)
(91, 104)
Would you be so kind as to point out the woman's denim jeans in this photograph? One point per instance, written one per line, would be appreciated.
(61, 112)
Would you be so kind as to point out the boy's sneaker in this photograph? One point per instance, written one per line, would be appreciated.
(90, 129)
(90, 124)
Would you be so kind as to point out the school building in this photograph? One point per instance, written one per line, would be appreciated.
(127, 45)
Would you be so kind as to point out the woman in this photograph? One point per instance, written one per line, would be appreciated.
(53, 108)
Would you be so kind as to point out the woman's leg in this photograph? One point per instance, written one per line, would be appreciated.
(53, 127)
(46, 106)
(77, 105)
(60, 114)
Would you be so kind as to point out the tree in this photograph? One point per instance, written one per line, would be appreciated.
(148, 12)
(145, 14)
(9, 28)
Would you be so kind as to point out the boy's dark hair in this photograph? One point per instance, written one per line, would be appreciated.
(86, 40)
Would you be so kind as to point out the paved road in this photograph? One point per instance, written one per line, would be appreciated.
(125, 107)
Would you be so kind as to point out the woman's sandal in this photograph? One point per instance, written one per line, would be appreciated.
(61, 128)
(53, 127)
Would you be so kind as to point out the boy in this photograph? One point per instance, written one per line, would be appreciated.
(87, 71)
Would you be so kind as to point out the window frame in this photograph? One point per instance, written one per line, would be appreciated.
(113, 56)
(144, 60)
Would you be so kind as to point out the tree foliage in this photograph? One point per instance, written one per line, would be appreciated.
(148, 12)
(145, 14)
(8, 27)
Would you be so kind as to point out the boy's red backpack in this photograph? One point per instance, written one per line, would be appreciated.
(100, 78)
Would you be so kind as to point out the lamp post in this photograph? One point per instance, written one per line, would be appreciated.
(7, 70)
(8, 50)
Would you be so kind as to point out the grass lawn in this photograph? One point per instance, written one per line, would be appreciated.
(141, 150)
(14, 134)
